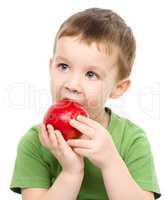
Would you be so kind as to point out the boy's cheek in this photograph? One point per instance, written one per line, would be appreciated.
(93, 101)
(97, 101)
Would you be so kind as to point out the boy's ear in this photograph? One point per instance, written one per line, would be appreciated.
(120, 88)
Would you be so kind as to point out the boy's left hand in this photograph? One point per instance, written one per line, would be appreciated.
(99, 147)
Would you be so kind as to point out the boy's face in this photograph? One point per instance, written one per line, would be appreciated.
(82, 73)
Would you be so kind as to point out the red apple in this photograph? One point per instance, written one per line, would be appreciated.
(59, 115)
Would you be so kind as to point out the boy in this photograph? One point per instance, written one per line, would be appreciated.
(92, 59)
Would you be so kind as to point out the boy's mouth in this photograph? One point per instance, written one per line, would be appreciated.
(73, 100)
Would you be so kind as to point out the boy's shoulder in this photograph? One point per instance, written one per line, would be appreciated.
(32, 134)
(125, 125)
(30, 140)
(30, 144)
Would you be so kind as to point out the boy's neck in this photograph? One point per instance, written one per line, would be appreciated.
(104, 119)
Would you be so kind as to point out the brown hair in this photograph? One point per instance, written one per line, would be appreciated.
(106, 27)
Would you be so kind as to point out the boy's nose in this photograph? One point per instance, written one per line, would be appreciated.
(73, 85)
(71, 90)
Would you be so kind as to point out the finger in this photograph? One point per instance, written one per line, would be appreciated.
(60, 139)
(82, 152)
(52, 135)
(44, 136)
(80, 143)
(83, 128)
(57, 139)
(88, 121)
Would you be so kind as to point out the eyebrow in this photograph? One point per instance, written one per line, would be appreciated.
(61, 58)
(92, 67)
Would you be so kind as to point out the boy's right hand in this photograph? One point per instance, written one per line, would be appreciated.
(53, 140)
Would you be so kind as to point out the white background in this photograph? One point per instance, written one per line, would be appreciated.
(27, 30)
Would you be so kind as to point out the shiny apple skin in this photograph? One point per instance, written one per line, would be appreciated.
(60, 114)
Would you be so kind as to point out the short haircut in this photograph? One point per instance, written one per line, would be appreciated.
(105, 27)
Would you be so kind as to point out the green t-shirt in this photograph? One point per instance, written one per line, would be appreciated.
(36, 167)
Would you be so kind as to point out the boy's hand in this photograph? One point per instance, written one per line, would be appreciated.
(99, 147)
(53, 140)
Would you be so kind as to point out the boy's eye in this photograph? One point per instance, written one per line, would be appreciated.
(92, 75)
(62, 66)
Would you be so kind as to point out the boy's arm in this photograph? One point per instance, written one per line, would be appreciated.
(120, 185)
(101, 150)
(66, 186)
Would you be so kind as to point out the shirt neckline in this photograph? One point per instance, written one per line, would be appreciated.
(111, 119)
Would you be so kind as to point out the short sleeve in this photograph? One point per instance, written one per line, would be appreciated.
(140, 163)
(30, 169)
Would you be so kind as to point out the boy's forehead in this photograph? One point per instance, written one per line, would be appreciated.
(74, 49)
(103, 48)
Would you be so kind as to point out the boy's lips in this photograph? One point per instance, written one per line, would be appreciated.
(73, 100)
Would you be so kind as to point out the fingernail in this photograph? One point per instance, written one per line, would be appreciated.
(79, 117)
(50, 126)
(57, 132)
(72, 121)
